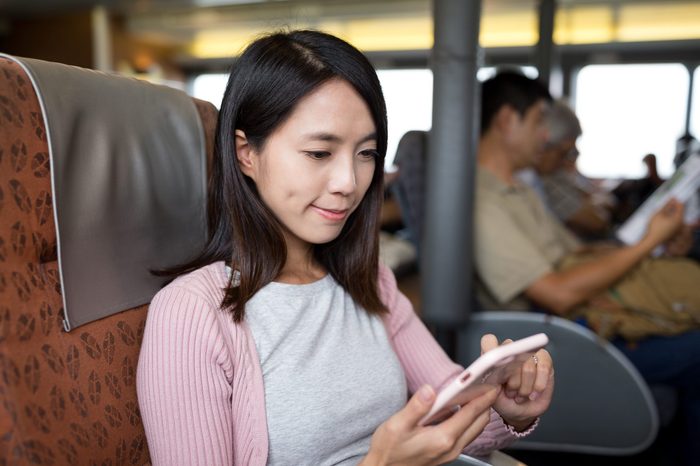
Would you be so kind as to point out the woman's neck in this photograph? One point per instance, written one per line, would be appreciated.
(301, 267)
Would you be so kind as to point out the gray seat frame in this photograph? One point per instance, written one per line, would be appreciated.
(601, 403)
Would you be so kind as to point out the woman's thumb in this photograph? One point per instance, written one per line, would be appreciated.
(419, 404)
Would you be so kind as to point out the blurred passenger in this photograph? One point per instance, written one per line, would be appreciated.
(686, 145)
(650, 308)
(573, 198)
(632, 193)
(653, 177)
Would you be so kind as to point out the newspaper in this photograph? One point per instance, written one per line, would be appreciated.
(683, 186)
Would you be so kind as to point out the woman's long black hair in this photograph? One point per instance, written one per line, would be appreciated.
(266, 82)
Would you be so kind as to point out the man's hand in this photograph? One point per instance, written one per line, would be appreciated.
(681, 243)
(665, 223)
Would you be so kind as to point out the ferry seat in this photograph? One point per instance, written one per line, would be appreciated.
(409, 186)
(102, 179)
(601, 404)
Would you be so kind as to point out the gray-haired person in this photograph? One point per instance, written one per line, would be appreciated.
(572, 197)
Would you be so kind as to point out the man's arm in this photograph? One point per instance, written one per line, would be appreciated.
(560, 291)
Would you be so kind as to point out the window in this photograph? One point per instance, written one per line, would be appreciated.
(488, 72)
(626, 112)
(409, 103)
(209, 87)
(409, 100)
(408, 94)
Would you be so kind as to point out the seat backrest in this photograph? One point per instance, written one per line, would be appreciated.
(65, 397)
(409, 188)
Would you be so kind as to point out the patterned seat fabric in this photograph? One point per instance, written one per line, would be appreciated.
(65, 398)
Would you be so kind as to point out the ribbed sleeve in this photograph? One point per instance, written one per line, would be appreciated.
(184, 382)
(424, 361)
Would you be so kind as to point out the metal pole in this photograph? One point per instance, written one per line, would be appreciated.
(101, 40)
(544, 52)
(446, 262)
(689, 102)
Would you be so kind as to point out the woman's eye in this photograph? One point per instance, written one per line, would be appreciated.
(369, 154)
(318, 155)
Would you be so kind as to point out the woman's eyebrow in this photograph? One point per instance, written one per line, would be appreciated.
(370, 137)
(329, 137)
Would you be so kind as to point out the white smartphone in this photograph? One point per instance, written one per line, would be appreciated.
(493, 367)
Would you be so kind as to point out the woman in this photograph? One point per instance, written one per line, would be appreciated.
(285, 342)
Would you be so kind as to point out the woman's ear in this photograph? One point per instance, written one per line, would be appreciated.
(245, 154)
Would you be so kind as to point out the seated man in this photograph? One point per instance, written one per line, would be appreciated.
(523, 255)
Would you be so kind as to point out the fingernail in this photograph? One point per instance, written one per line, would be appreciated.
(520, 399)
(534, 395)
(425, 393)
(511, 393)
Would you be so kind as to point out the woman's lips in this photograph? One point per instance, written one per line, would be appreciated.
(331, 214)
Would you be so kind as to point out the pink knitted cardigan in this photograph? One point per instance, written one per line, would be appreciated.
(200, 385)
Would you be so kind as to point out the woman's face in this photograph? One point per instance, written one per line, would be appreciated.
(316, 167)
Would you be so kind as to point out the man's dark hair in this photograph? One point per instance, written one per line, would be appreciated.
(512, 89)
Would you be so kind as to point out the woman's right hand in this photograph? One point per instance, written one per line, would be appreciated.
(401, 441)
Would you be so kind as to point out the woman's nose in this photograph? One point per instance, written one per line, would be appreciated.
(343, 178)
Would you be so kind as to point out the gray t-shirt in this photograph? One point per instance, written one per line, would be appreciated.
(330, 374)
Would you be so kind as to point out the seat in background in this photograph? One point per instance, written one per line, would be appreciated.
(409, 186)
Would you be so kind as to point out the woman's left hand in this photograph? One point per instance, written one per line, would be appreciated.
(526, 395)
